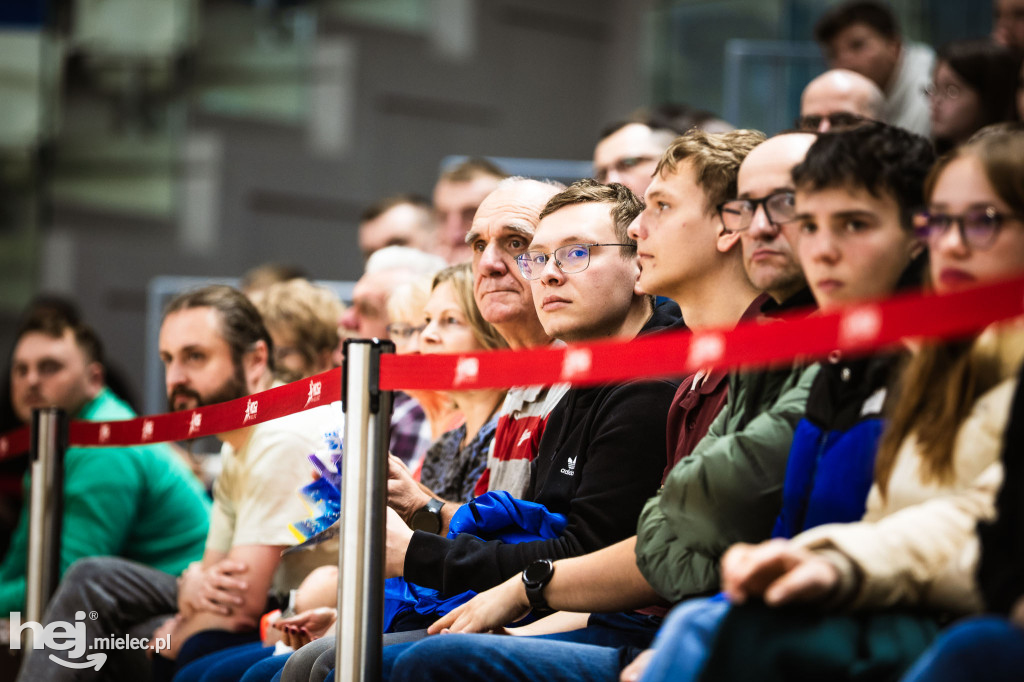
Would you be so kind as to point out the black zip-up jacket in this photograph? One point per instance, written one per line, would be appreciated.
(600, 458)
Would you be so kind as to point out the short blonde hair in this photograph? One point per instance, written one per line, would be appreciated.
(716, 159)
(310, 312)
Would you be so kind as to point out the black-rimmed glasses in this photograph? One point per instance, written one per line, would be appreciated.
(738, 214)
(570, 259)
(978, 227)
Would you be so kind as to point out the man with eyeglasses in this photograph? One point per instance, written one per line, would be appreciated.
(628, 152)
(839, 99)
(603, 449)
(765, 202)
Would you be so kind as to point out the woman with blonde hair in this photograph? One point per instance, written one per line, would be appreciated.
(453, 324)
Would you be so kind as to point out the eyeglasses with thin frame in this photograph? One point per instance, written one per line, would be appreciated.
(840, 120)
(978, 227)
(624, 164)
(950, 91)
(570, 259)
(402, 333)
(738, 214)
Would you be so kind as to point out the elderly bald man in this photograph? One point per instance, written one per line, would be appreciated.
(839, 99)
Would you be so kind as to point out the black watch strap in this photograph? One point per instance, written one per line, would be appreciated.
(536, 577)
(428, 517)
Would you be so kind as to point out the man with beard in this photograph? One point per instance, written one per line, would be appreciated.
(57, 363)
(215, 348)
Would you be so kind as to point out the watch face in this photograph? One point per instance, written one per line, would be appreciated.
(537, 571)
(426, 520)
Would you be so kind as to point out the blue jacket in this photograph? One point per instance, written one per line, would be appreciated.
(832, 459)
(492, 516)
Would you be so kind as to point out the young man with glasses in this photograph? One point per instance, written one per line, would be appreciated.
(602, 452)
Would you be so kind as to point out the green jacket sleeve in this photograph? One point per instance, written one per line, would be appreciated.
(12, 570)
(729, 490)
(100, 494)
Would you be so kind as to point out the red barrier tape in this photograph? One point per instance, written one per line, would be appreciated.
(306, 394)
(860, 328)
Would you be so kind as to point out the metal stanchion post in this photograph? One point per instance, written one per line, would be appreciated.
(357, 656)
(46, 502)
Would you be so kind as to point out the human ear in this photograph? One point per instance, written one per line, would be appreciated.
(254, 363)
(727, 240)
(94, 378)
(637, 289)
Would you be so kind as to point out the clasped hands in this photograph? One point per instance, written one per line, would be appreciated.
(218, 588)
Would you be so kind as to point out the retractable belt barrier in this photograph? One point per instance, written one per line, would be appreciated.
(373, 372)
(858, 329)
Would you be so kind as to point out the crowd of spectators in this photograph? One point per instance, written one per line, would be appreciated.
(854, 517)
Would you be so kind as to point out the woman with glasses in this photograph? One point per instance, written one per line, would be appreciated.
(975, 230)
(973, 86)
(405, 310)
(453, 324)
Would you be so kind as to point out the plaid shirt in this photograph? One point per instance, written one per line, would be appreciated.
(410, 430)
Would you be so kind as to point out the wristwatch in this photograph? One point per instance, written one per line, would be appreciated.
(428, 517)
(536, 576)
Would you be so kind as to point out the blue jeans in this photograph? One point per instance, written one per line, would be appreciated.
(267, 669)
(987, 646)
(684, 642)
(226, 665)
(597, 652)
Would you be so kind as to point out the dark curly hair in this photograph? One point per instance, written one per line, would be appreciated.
(882, 159)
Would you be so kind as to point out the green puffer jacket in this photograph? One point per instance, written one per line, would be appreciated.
(729, 490)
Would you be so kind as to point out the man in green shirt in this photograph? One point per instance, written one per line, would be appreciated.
(140, 502)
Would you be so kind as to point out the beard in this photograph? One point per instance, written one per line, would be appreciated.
(232, 388)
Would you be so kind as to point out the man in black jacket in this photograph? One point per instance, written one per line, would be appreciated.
(602, 452)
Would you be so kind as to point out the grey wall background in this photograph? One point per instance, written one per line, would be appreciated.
(246, 132)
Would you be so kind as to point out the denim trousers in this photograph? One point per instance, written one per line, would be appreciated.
(988, 647)
(684, 642)
(598, 652)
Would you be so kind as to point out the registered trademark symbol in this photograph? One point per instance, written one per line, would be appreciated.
(93, 615)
